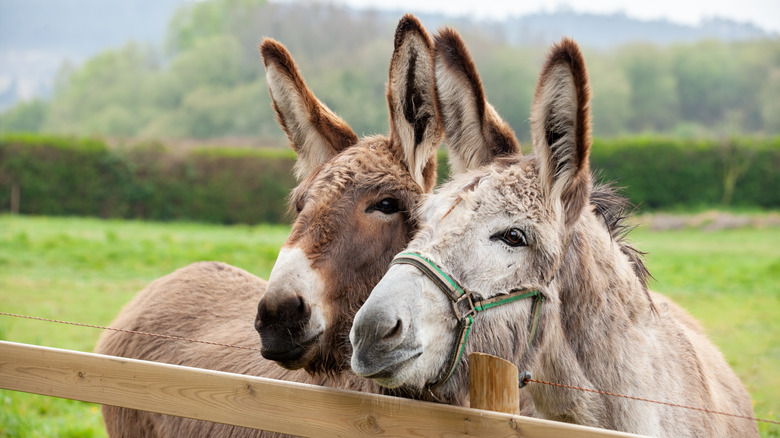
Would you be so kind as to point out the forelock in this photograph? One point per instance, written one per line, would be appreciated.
(369, 165)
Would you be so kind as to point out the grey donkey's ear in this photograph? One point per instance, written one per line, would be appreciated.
(560, 127)
(415, 128)
(316, 134)
(474, 131)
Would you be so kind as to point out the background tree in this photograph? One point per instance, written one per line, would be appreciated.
(208, 82)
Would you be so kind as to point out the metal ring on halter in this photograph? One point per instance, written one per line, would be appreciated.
(523, 379)
(457, 295)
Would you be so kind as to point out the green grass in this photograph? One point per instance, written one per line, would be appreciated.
(84, 270)
(730, 281)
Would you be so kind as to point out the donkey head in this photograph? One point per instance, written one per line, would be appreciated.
(498, 230)
(353, 202)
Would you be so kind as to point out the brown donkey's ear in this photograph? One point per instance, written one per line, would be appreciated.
(315, 132)
(560, 127)
(415, 128)
(474, 131)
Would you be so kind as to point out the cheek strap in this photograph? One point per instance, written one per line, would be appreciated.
(465, 306)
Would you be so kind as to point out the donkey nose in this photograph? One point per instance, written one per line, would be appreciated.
(390, 332)
(288, 310)
(381, 330)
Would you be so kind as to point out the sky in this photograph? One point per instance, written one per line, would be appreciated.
(763, 13)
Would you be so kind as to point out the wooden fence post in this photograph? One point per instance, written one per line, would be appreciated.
(493, 384)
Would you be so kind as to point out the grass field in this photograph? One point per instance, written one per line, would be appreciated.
(84, 270)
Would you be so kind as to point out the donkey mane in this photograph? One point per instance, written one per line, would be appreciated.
(615, 209)
(327, 180)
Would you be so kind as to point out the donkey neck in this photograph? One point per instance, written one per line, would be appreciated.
(591, 328)
(597, 281)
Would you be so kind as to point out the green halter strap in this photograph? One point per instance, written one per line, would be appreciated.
(464, 305)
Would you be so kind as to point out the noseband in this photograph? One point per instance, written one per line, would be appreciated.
(465, 305)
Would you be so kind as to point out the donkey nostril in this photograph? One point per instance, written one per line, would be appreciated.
(395, 331)
(280, 311)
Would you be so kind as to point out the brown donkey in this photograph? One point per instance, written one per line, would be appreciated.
(526, 259)
(353, 208)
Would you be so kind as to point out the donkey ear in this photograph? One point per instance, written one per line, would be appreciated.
(475, 132)
(415, 127)
(560, 127)
(316, 134)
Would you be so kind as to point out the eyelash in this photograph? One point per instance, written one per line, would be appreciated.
(512, 237)
(387, 206)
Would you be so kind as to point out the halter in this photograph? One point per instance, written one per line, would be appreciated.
(464, 304)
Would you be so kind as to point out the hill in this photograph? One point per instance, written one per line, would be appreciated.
(38, 36)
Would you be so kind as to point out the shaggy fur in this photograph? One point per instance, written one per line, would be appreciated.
(350, 251)
(599, 327)
(339, 211)
(348, 242)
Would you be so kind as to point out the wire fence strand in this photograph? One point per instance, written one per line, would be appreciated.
(525, 379)
(596, 391)
(134, 332)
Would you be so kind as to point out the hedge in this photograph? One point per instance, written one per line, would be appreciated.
(57, 176)
(661, 173)
(85, 177)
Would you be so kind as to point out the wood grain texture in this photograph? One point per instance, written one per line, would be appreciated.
(493, 384)
(256, 402)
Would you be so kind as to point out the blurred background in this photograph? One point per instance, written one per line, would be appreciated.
(691, 92)
(190, 69)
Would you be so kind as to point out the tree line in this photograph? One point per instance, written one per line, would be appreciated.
(207, 80)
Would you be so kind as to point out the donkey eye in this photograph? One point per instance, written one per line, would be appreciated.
(512, 237)
(386, 206)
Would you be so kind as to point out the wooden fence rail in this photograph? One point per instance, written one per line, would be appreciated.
(274, 405)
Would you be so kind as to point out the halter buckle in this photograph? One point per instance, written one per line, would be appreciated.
(471, 310)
